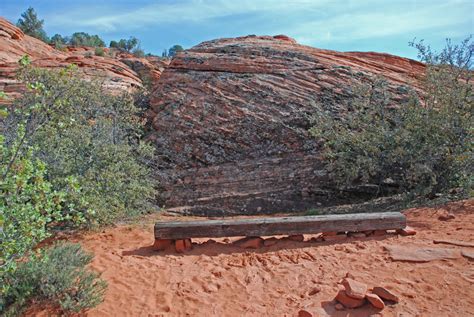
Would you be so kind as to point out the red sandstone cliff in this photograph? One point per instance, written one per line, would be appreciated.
(118, 73)
(230, 120)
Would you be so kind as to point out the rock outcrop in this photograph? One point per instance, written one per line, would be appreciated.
(119, 72)
(230, 121)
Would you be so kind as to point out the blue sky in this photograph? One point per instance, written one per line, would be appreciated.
(344, 25)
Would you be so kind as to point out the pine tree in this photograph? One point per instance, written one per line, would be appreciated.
(31, 25)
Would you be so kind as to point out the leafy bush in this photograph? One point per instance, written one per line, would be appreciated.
(422, 147)
(27, 205)
(99, 51)
(90, 141)
(125, 45)
(174, 50)
(58, 39)
(138, 52)
(85, 39)
(56, 277)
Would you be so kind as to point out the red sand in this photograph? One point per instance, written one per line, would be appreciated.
(219, 279)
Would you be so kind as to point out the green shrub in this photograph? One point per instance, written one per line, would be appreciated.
(27, 205)
(57, 277)
(85, 39)
(422, 147)
(125, 45)
(99, 51)
(138, 52)
(90, 141)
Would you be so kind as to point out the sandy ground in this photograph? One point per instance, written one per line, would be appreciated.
(217, 278)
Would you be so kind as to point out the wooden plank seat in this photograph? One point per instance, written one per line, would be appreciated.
(168, 232)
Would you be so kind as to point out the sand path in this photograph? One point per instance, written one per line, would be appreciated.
(217, 278)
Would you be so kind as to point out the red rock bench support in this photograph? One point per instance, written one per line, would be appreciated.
(180, 232)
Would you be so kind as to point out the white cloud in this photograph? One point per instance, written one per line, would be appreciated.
(389, 20)
(309, 21)
(186, 11)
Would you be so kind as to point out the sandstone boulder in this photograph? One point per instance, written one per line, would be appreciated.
(230, 120)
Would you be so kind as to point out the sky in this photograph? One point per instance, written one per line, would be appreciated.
(343, 25)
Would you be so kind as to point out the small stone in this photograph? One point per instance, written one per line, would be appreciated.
(385, 294)
(296, 237)
(339, 306)
(250, 242)
(347, 301)
(314, 291)
(162, 244)
(375, 300)
(304, 313)
(188, 245)
(179, 246)
(270, 241)
(339, 248)
(407, 231)
(379, 233)
(354, 289)
(446, 217)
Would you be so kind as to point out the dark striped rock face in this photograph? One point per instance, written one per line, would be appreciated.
(230, 121)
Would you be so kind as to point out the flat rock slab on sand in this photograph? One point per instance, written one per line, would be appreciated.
(420, 254)
(455, 242)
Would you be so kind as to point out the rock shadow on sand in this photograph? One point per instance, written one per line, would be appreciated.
(212, 247)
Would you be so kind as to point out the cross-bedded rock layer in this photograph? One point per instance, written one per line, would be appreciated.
(230, 121)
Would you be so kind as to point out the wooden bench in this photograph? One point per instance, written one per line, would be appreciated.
(180, 232)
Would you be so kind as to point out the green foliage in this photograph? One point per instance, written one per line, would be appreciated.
(31, 25)
(126, 45)
(57, 277)
(175, 49)
(423, 147)
(90, 141)
(59, 39)
(138, 53)
(99, 51)
(27, 205)
(85, 39)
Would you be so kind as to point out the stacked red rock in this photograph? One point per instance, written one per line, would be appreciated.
(355, 294)
(230, 120)
(117, 74)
